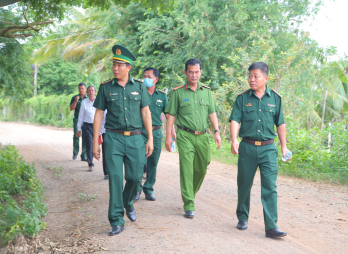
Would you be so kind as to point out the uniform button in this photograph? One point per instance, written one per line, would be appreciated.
(271, 110)
(259, 120)
(197, 120)
(257, 130)
(195, 101)
(126, 119)
(125, 108)
(124, 97)
(259, 109)
(196, 111)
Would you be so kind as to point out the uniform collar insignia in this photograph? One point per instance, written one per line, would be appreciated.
(249, 105)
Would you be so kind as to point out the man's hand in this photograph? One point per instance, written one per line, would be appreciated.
(149, 148)
(76, 98)
(78, 134)
(169, 142)
(285, 151)
(235, 147)
(217, 139)
(174, 135)
(96, 150)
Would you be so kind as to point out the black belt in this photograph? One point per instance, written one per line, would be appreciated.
(126, 133)
(259, 143)
(191, 131)
(156, 127)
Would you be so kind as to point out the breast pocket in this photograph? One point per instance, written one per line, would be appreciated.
(113, 102)
(249, 114)
(159, 106)
(185, 107)
(134, 101)
(269, 113)
(204, 108)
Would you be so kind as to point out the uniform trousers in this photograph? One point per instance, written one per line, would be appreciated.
(152, 161)
(119, 150)
(105, 169)
(76, 141)
(194, 156)
(264, 157)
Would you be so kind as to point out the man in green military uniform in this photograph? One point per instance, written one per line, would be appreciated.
(193, 105)
(75, 104)
(159, 101)
(255, 112)
(127, 102)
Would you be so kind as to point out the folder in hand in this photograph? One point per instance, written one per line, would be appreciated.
(100, 139)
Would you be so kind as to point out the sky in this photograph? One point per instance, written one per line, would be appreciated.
(329, 26)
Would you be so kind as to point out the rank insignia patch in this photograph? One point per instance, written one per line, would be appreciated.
(271, 105)
(159, 100)
(249, 105)
(134, 93)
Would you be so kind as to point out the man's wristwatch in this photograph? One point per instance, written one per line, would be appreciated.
(216, 131)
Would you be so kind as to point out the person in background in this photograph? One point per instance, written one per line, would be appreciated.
(254, 114)
(193, 105)
(75, 105)
(85, 121)
(102, 131)
(159, 101)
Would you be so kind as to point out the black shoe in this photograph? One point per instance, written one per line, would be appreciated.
(106, 177)
(242, 225)
(189, 214)
(137, 196)
(83, 159)
(74, 157)
(115, 230)
(131, 214)
(274, 233)
(150, 197)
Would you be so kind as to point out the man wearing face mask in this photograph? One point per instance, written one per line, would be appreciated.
(159, 101)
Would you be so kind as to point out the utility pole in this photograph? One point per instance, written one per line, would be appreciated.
(35, 79)
(324, 106)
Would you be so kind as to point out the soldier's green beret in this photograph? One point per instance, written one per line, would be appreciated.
(122, 55)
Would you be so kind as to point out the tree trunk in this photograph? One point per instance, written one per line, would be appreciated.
(322, 117)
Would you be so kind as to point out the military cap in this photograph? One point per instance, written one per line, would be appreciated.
(122, 55)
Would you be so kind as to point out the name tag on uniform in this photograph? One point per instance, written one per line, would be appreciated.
(159, 101)
(271, 105)
(185, 99)
(114, 94)
(134, 93)
(249, 105)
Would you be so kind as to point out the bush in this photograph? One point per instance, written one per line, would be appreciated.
(21, 196)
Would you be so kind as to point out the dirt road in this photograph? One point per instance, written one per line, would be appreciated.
(314, 215)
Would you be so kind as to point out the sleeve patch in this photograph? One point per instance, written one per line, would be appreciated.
(178, 87)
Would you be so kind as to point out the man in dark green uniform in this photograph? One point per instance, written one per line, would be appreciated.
(159, 101)
(75, 104)
(255, 112)
(127, 102)
(193, 106)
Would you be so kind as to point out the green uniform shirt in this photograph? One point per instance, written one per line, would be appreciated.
(159, 102)
(78, 104)
(191, 108)
(258, 116)
(123, 103)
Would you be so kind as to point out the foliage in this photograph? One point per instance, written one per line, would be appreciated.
(48, 110)
(57, 77)
(21, 196)
(311, 158)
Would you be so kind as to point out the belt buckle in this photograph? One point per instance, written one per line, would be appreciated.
(127, 133)
(257, 143)
(197, 132)
(153, 127)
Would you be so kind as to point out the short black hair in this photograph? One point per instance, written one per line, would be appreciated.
(95, 89)
(82, 84)
(127, 64)
(155, 71)
(260, 66)
(193, 61)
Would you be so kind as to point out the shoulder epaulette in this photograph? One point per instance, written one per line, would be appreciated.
(178, 87)
(161, 92)
(206, 86)
(244, 92)
(107, 81)
(277, 93)
(139, 80)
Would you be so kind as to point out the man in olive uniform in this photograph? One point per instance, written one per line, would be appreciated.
(255, 113)
(193, 105)
(127, 102)
(75, 104)
(159, 101)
